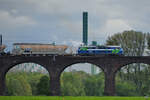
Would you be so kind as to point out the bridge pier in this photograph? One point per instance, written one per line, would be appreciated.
(2, 78)
(109, 89)
(2, 84)
(109, 69)
(54, 85)
(54, 73)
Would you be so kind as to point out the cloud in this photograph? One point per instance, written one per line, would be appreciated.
(116, 25)
(45, 21)
(61, 20)
(9, 21)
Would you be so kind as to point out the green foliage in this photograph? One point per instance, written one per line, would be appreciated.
(18, 85)
(77, 84)
(148, 40)
(71, 84)
(33, 79)
(43, 86)
(131, 86)
(132, 42)
(81, 83)
(93, 86)
(124, 88)
(14, 87)
(22, 83)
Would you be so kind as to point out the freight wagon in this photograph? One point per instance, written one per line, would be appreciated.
(37, 48)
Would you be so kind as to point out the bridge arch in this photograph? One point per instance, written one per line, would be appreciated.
(130, 63)
(120, 63)
(14, 63)
(131, 77)
(19, 63)
(81, 72)
(79, 62)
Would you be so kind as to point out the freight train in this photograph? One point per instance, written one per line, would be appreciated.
(36, 48)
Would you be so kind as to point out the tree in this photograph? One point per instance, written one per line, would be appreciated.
(133, 44)
(125, 88)
(18, 86)
(71, 84)
(33, 79)
(94, 85)
(43, 86)
(14, 87)
(148, 40)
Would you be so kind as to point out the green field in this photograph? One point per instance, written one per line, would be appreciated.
(69, 98)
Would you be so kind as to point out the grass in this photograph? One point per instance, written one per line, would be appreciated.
(69, 98)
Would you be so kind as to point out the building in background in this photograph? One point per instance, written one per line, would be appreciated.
(93, 67)
(29, 67)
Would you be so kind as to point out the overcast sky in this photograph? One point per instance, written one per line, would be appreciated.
(45, 21)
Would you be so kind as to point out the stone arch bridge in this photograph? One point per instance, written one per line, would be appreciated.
(55, 65)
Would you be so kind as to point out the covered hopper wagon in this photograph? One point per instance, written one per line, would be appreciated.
(36, 48)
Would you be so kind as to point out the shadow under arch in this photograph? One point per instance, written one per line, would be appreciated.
(25, 68)
(77, 77)
(132, 78)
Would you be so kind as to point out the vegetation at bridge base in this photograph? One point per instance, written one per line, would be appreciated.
(82, 84)
(75, 83)
(22, 83)
(43, 86)
(18, 85)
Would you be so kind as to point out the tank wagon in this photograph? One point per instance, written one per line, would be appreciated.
(36, 48)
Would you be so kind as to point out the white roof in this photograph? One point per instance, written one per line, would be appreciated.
(113, 46)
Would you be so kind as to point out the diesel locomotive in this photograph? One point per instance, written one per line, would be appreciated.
(100, 50)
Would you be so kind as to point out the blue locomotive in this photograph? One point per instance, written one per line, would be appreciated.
(110, 50)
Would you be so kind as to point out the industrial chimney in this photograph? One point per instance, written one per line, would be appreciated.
(85, 28)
